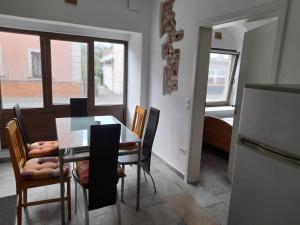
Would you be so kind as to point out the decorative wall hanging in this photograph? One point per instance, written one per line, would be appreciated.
(168, 26)
(73, 2)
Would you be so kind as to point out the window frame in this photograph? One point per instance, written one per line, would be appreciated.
(236, 55)
(45, 50)
(42, 50)
(62, 37)
(125, 69)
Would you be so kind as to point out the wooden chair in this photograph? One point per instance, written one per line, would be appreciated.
(146, 149)
(138, 125)
(100, 174)
(37, 149)
(34, 172)
(79, 107)
(139, 120)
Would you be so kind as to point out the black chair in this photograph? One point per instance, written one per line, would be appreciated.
(21, 124)
(37, 149)
(146, 149)
(100, 174)
(79, 107)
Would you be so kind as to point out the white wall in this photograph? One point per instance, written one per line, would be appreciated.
(230, 39)
(172, 130)
(112, 14)
(134, 66)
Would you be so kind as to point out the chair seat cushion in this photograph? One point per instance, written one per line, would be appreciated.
(42, 168)
(43, 149)
(82, 169)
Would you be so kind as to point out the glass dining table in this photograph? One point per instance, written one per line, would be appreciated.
(73, 134)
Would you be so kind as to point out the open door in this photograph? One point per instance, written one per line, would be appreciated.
(256, 67)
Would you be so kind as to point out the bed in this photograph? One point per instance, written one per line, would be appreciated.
(217, 132)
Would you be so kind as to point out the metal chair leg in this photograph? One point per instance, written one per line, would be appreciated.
(119, 210)
(75, 194)
(86, 211)
(152, 181)
(122, 185)
(145, 175)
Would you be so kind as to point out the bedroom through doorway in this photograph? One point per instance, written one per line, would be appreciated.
(236, 51)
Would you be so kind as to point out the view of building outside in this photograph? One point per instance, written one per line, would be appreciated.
(21, 71)
(20, 68)
(109, 73)
(220, 67)
(69, 70)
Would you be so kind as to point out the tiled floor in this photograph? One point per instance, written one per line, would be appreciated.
(176, 202)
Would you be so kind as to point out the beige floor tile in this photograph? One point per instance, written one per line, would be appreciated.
(189, 210)
(175, 203)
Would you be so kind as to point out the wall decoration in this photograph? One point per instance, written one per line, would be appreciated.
(169, 53)
(73, 2)
(218, 35)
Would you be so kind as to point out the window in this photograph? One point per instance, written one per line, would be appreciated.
(69, 66)
(17, 85)
(45, 70)
(222, 67)
(35, 63)
(108, 73)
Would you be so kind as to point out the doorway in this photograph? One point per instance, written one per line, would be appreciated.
(255, 40)
(249, 19)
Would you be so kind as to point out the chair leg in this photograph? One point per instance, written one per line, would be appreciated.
(25, 197)
(86, 211)
(122, 185)
(145, 175)
(152, 181)
(119, 210)
(75, 194)
(69, 198)
(20, 208)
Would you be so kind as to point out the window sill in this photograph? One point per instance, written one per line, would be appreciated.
(220, 111)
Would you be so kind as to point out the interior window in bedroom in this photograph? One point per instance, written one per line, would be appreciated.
(222, 67)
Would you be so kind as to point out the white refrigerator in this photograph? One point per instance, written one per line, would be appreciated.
(266, 181)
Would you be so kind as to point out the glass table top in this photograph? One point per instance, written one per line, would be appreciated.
(74, 132)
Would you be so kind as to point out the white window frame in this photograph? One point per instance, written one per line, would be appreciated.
(231, 78)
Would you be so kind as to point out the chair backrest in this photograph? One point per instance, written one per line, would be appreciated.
(16, 148)
(79, 107)
(21, 124)
(139, 120)
(149, 136)
(104, 148)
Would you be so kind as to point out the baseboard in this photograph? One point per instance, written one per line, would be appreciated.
(177, 172)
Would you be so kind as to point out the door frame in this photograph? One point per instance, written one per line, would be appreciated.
(277, 9)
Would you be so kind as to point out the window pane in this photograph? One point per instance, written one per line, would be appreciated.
(69, 70)
(220, 68)
(36, 64)
(20, 70)
(109, 73)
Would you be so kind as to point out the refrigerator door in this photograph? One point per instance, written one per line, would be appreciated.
(265, 188)
(272, 117)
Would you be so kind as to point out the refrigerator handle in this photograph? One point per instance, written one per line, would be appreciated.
(270, 151)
